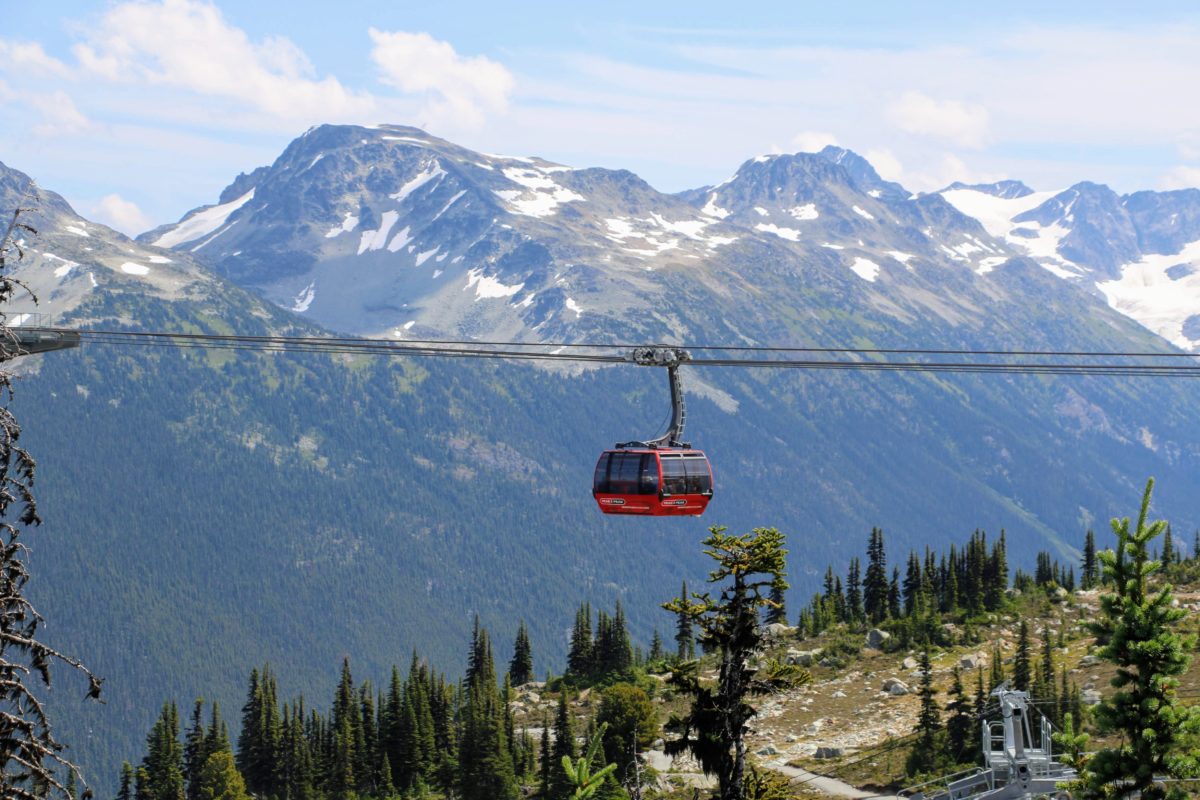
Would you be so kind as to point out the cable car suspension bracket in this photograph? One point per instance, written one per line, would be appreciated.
(671, 358)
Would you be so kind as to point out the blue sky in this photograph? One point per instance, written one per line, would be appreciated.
(137, 111)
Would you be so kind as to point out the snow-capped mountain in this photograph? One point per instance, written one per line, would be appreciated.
(72, 259)
(390, 231)
(1140, 252)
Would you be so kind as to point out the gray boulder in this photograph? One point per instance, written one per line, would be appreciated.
(876, 638)
(803, 658)
(896, 687)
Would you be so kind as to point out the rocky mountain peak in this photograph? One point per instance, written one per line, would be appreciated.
(1005, 190)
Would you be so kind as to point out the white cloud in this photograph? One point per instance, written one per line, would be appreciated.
(121, 214)
(1181, 178)
(29, 58)
(466, 88)
(963, 125)
(187, 44)
(813, 141)
(60, 115)
(885, 163)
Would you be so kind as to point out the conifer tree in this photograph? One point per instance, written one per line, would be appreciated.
(996, 676)
(684, 639)
(980, 708)
(950, 595)
(619, 658)
(343, 756)
(217, 735)
(855, 610)
(875, 582)
(564, 747)
(1046, 688)
(631, 725)
(961, 724)
(394, 736)
(163, 763)
(296, 773)
(520, 669)
(893, 595)
(484, 761)
(1064, 697)
(657, 653)
(1137, 625)
(777, 609)
(545, 764)
(365, 750)
(125, 789)
(912, 584)
(713, 730)
(1089, 560)
(924, 755)
(997, 575)
(1022, 665)
(194, 751)
(1168, 549)
(220, 779)
(581, 658)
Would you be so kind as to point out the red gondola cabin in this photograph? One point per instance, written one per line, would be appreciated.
(658, 482)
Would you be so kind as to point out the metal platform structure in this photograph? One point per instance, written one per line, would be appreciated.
(1018, 757)
(20, 341)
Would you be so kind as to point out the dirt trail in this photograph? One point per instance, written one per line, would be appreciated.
(830, 786)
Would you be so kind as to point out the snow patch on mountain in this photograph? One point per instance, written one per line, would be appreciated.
(349, 223)
(446, 207)
(431, 171)
(691, 228)
(65, 269)
(376, 239)
(130, 268)
(305, 298)
(997, 214)
(1159, 295)
(865, 268)
(487, 286)
(808, 211)
(862, 213)
(988, 264)
(791, 234)
(711, 209)
(541, 195)
(203, 222)
(399, 240)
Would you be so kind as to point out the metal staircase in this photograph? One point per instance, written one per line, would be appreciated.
(1019, 760)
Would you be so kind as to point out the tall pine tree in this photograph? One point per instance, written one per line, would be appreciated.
(1137, 625)
(520, 669)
